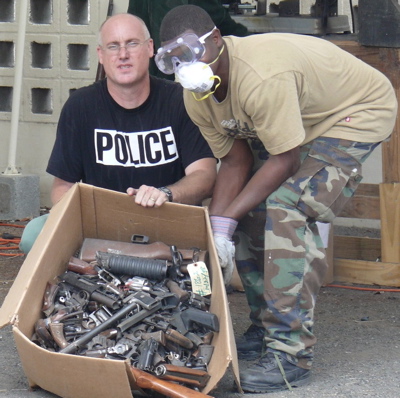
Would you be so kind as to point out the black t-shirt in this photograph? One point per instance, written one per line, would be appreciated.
(103, 144)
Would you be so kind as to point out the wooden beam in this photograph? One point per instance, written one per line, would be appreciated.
(390, 222)
(367, 272)
(364, 203)
(357, 248)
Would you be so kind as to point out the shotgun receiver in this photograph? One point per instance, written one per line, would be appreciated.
(172, 390)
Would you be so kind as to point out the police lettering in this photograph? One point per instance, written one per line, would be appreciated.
(136, 149)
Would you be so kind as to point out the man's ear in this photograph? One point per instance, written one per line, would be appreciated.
(216, 36)
(151, 48)
(99, 55)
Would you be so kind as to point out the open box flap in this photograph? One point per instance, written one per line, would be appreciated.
(76, 376)
(227, 357)
(28, 272)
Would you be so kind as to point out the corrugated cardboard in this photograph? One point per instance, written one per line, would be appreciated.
(87, 211)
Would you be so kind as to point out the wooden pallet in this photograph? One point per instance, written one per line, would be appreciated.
(369, 260)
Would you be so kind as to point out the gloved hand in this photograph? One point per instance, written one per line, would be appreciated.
(223, 229)
(226, 254)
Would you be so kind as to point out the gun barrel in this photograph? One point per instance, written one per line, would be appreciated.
(98, 329)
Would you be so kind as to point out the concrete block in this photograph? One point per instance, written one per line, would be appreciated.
(19, 197)
(78, 57)
(6, 89)
(79, 17)
(41, 100)
(42, 56)
(44, 18)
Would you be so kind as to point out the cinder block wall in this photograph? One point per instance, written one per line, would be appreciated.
(59, 57)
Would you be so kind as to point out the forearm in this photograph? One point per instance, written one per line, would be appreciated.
(59, 188)
(275, 171)
(230, 182)
(233, 175)
(192, 189)
(196, 186)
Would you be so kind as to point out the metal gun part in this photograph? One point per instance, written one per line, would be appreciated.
(82, 283)
(147, 350)
(74, 346)
(153, 269)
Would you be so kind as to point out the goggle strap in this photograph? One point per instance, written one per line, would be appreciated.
(204, 37)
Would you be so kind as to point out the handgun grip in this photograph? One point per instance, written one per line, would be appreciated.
(48, 298)
(172, 390)
(178, 338)
(174, 288)
(57, 331)
(81, 267)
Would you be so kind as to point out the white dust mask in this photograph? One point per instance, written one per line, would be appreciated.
(197, 76)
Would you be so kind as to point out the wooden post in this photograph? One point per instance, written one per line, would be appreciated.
(390, 222)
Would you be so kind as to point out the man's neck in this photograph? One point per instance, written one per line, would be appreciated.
(223, 73)
(130, 97)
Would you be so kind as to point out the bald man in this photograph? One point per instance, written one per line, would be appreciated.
(129, 132)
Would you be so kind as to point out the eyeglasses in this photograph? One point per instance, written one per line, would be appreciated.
(187, 48)
(131, 46)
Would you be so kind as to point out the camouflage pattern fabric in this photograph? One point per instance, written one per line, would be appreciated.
(249, 242)
(283, 266)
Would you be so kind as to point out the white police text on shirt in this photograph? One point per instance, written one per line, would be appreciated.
(137, 149)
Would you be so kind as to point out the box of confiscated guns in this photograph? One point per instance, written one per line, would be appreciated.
(119, 300)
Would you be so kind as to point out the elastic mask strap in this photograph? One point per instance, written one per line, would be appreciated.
(211, 92)
(213, 77)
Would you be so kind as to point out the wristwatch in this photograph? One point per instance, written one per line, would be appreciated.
(168, 192)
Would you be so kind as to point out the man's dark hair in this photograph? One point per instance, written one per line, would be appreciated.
(183, 18)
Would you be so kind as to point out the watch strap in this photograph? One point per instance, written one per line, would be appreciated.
(168, 192)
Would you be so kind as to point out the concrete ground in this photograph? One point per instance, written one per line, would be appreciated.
(357, 353)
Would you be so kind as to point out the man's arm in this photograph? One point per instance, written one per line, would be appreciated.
(192, 189)
(59, 188)
(249, 194)
(233, 175)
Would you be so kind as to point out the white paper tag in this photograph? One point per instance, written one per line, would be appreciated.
(199, 277)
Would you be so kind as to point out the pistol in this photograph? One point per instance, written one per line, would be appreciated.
(82, 283)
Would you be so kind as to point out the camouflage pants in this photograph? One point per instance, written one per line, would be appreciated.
(279, 254)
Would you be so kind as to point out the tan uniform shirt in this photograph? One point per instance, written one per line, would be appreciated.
(288, 89)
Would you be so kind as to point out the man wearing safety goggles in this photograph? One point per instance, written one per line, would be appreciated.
(153, 11)
(292, 118)
(182, 56)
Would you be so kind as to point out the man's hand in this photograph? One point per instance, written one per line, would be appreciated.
(223, 229)
(226, 254)
(147, 196)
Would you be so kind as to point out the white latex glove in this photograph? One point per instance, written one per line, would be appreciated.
(226, 254)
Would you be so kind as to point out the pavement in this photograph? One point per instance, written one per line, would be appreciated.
(357, 353)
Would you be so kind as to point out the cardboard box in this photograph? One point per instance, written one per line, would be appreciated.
(87, 211)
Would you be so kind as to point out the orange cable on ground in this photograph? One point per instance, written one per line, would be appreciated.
(13, 242)
(369, 289)
(12, 225)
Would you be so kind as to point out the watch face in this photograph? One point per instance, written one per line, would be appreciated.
(168, 192)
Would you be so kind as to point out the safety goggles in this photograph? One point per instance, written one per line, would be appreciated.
(187, 48)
